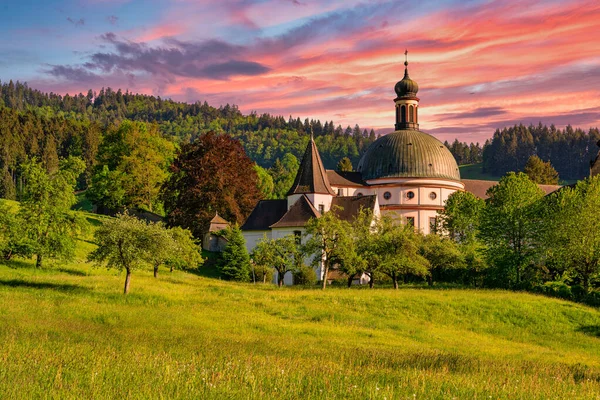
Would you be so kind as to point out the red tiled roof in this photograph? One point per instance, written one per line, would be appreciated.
(339, 178)
(479, 188)
(351, 205)
(298, 214)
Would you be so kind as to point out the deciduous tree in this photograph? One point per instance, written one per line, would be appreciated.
(327, 239)
(281, 254)
(50, 224)
(572, 233)
(213, 174)
(510, 225)
(123, 243)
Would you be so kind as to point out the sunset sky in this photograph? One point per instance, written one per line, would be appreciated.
(480, 65)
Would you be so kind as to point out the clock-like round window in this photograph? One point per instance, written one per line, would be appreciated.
(410, 195)
(387, 195)
(358, 194)
(433, 195)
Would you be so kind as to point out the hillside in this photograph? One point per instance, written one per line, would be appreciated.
(475, 171)
(67, 331)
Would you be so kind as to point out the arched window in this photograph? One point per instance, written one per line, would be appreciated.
(416, 115)
(403, 112)
(397, 114)
(411, 115)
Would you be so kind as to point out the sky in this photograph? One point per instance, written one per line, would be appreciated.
(480, 65)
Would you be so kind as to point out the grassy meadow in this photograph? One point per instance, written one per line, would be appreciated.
(67, 331)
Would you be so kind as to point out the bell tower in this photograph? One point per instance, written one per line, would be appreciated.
(407, 102)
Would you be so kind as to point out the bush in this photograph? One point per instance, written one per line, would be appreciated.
(305, 275)
(263, 274)
(557, 289)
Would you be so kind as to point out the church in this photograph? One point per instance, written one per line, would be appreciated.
(407, 174)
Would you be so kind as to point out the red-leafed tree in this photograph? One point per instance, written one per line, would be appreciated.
(211, 175)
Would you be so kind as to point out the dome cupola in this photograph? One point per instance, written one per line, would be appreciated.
(406, 87)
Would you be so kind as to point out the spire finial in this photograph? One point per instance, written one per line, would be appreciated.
(406, 57)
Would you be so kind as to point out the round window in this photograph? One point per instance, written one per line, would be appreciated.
(358, 194)
(433, 195)
(410, 195)
(387, 195)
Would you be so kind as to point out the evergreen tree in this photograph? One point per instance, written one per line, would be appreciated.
(344, 165)
(541, 172)
(235, 261)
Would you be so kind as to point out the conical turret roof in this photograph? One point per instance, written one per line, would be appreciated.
(311, 177)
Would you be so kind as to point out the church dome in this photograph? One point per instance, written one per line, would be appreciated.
(408, 154)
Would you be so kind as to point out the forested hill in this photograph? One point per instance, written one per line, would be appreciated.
(265, 137)
(569, 150)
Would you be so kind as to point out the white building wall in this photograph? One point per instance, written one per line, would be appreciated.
(253, 237)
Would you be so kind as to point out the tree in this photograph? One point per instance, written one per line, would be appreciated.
(509, 226)
(123, 243)
(213, 174)
(327, 239)
(461, 216)
(265, 182)
(141, 156)
(235, 262)
(442, 254)
(13, 238)
(541, 172)
(50, 225)
(106, 189)
(400, 251)
(344, 165)
(161, 248)
(186, 251)
(281, 254)
(283, 173)
(571, 234)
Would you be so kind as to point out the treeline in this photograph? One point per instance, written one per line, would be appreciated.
(265, 137)
(26, 134)
(465, 153)
(569, 150)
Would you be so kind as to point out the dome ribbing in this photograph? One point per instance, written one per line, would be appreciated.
(408, 154)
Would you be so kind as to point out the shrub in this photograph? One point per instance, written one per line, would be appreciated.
(263, 274)
(305, 275)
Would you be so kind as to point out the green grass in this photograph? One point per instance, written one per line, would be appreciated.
(475, 171)
(68, 332)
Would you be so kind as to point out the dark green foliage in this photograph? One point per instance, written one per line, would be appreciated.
(305, 275)
(283, 173)
(442, 254)
(235, 261)
(571, 237)
(75, 123)
(510, 226)
(465, 153)
(570, 150)
(541, 172)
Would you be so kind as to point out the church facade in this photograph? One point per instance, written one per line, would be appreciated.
(407, 174)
